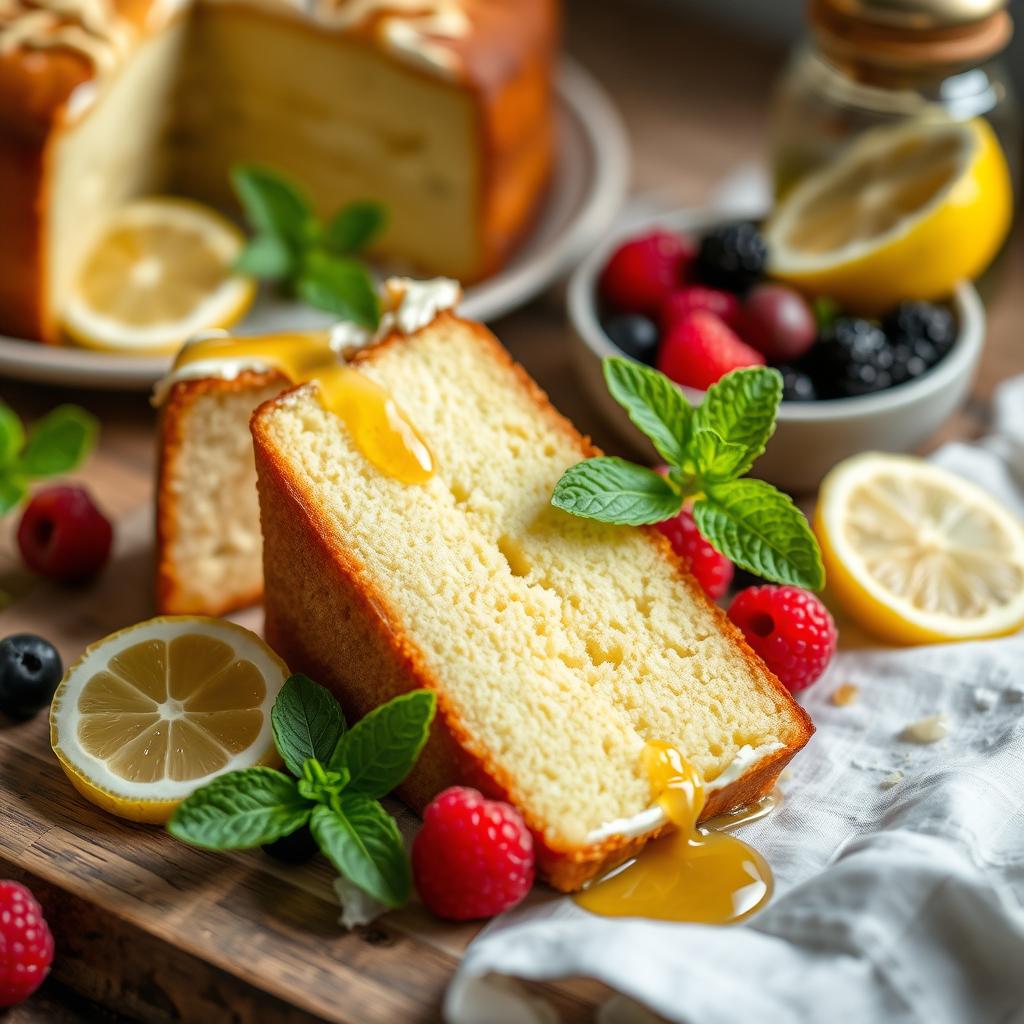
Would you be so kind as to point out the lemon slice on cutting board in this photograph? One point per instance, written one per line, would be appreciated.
(151, 713)
(159, 273)
(917, 554)
(904, 213)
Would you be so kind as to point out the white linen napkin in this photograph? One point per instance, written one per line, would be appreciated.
(899, 866)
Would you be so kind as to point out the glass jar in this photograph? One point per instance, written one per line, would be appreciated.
(876, 62)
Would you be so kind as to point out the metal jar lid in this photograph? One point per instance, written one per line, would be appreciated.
(904, 33)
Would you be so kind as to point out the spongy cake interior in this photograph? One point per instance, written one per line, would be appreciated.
(561, 644)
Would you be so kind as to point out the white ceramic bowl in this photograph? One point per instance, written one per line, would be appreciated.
(811, 437)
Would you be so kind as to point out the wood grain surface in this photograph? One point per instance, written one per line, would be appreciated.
(151, 930)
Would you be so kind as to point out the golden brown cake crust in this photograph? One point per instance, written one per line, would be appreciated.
(170, 595)
(328, 618)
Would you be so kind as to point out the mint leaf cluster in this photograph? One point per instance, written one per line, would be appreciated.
(707, 449)
(338, 776)
(309, 259)
(56, 444)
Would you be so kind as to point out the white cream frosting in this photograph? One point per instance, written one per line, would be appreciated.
(408, 305)
(91, 28)
(419, 32)
(654, 817)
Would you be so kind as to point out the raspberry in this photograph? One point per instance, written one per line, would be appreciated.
(712, 570)
(63, 536)
(701, 349)
(696, 296)
(473, 857)
(643, 272)
(790, 629)
(26, 945)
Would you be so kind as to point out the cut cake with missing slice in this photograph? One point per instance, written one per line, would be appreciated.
(557, 646)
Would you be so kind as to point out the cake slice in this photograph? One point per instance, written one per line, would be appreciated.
(208, 544)
(557, 646)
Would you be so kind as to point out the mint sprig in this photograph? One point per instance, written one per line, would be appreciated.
(55, 444)
(337, 777)
(305, 257)
(708, 449)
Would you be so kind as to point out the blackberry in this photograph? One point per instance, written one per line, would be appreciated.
(922, 322)
(295, 848)
(797, 385)
(636, 335)
(853, 357)
(909, 361)
(732, 257)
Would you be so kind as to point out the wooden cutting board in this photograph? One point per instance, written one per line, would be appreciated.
(163, 932)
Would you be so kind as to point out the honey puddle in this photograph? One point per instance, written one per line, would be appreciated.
(378, 427)
(706, 877)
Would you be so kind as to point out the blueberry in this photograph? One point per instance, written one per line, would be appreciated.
(853, 357)
(797, 385)
(635, 335)
(30, 671)
(296, 848)
(732, 257)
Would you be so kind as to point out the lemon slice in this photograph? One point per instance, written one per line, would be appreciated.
(159, 273)
(917, 554)
(151, 713)
(904, 213)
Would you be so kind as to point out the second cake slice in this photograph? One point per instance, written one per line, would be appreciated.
(558, 647)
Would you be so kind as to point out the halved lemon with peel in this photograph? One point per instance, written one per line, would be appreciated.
(151, 713)
(906, 212)
(160, 272)
(916, 554)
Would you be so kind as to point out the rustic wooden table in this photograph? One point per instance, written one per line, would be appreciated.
(694, 99)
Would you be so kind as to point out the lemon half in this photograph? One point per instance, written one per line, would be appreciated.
(917, 554)
(160, 272)
(904, 213)
(151, 713)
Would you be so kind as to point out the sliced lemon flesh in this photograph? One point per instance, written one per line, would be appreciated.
(917, 554)
(159, 273)
(151, 713)
(904, 213)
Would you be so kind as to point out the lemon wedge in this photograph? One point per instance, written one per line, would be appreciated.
(159, 273)
(917, 554)
(151, 713)
(904, 213)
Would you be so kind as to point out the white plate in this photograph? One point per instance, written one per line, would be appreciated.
(590, 183)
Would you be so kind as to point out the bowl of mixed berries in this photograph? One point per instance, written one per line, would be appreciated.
(693, 295)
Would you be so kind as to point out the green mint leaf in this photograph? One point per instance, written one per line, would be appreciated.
(826, 311)
(362, 841)
(240, 810)
(761, 530)
(715, 458)
(741, 409)
(58, 442)
(267, 257)
(653, 403)
(381, 749)
(319, 784)
(307, 721)
(342, 287)
(613, 490)
(354, 227)
(273, 205)
(12, 435)
(12, 492)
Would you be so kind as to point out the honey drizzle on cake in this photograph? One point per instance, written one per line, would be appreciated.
(377, 426)
(690, 875)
